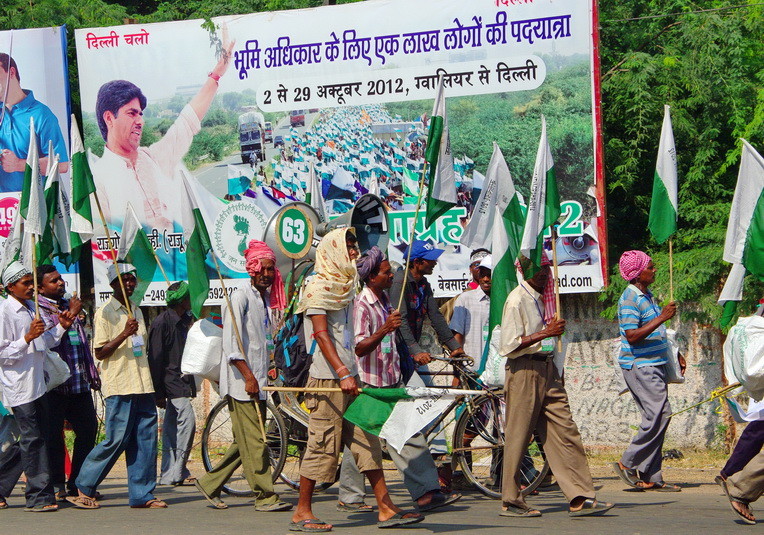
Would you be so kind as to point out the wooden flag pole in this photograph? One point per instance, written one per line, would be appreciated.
(34, 278)
(555, 273)
(301, 389)
(160, 266)
(412, 235)
(113, 256)
(671, 269)
(238, 339)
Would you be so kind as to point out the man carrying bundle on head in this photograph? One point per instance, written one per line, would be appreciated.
(243, 372)
(328, 304)
(375, 322)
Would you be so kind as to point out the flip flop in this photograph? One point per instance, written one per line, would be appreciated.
(723, 484)
(660, 486)
(355, 507)
(274, 507)
(400, 519)
(185, 483)
(48, 508)
(627, 475)
(519, 512)
(302, 525)
(3, 504)
(154, 503)
(440, 500)
(592, 507)
(216, 502)
(83, 502)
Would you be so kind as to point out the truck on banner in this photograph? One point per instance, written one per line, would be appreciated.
(34, 83)
(348, 91)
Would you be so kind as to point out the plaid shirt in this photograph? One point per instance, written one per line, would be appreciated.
(77, 357)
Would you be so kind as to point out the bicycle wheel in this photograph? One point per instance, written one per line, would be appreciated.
(290, 473)
(218, 436)
(479, 449)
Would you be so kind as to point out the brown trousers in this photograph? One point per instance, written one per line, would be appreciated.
(537, 401)
(748, 484)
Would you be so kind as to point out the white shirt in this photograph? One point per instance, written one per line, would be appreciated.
(253, 318)
(22, 364)
(152, 185)
(470, 319)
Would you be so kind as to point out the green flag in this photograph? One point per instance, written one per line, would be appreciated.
(82, 186)
(442, 181)
(664, 203)
(135, 248)
(198, 244)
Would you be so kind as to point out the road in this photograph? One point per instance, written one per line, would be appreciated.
(699, 509)
(215, 176)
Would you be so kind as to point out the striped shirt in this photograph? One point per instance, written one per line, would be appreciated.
(381, 367)
(636, 309)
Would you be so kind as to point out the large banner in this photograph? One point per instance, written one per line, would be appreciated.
(34, 83)
(342, 94)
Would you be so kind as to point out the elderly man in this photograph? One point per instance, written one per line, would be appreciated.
(328, 306)
(24, 341)
(375, 323)
(537, 401)
(71, 401)
(173, 390)
(131, 415)
(243, 371)
(20, 106)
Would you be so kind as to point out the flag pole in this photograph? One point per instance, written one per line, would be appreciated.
(113, 256)
(160, 266)
(671, 269)
(555, 273)
(238, 337)
(412, 235)
(34, 278)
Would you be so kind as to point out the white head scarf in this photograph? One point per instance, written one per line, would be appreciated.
(14, 272)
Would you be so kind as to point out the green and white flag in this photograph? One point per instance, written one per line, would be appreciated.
(82, 187)
(506, 235)
(664, 205)
(543, 203)
(313, 196)
(57, 231)
(198, 244)
(410, 185)
(744, 243)
(32, 204)
(135, 248)
(397, 414)
(442, 181)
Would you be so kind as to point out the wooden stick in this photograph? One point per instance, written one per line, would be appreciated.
(301, 389)
(555, 273)
(113, 256)
(412, 237)
(238, 337)
(671, 269)
(160, 266)
(34, 278)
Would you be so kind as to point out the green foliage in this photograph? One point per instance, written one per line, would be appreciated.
(709, 67)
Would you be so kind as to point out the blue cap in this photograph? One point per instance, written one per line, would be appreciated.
(423, 249)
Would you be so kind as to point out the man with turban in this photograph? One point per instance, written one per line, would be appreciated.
(537, 401)
(24, 341)
(131, 415)
(173, 391)
(642, 357)
(328, 306)
(241, 377)
(375, 323)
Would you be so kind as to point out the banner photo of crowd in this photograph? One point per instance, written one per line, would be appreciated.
(34, 84)
(325, 105)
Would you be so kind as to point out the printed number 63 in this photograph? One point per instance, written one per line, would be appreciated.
(294, 230)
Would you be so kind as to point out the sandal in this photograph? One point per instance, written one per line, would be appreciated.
(216, 502)
(747, 519)
(519, 512)
(184, 483)
(154, 503)
(439, 499)
(49, 508)
(302, 525)
(591, 507)
(659, 486)
(3, 504)
(274, 507)
(83, 502)
(400, 519)
(355, 507)
(627, 475)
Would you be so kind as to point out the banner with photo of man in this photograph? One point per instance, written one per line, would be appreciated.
(252, 107)
(34, 84)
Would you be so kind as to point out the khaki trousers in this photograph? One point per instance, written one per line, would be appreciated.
(748, 484)
(537, 401)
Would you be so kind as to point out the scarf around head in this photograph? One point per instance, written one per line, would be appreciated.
(332, 287)
(369, 261)
(632, 263)
(254, 253)
(173, 297)
(14, 272)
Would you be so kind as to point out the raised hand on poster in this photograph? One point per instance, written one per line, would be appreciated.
(201, 102)
(224, 59)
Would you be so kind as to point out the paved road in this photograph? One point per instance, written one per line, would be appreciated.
(699, 509)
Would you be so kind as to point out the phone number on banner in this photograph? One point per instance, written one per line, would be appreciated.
(390, 85)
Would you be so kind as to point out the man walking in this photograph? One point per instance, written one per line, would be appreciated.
(242, 375)
(537, 401)
(131, 416)
(172, 390)
(71, 401)
(23, 343)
